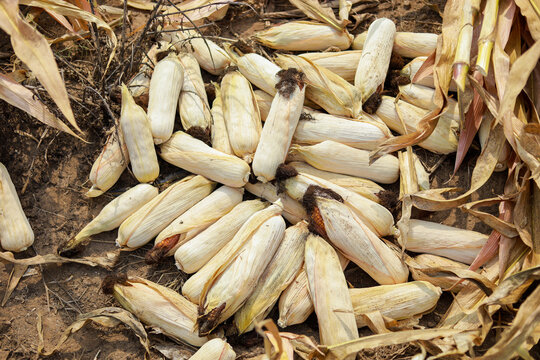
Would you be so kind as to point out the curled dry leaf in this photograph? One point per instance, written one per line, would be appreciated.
(314, 10)
(108, 261)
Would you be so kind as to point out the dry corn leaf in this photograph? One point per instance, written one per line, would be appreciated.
(526, 219)
(314, 10)
(193, 12)
(531, 10)
(108, 261)
(14, 277)
(504, 227)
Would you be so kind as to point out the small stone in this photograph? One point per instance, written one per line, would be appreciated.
(406, 4)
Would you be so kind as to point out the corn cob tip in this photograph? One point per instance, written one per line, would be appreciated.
(371, 105)
(309, 201)
(72, 246)
(94, 192)
(201, 134)
(388, 199)
(289, 80)
(284, 172)
(209, 321)
(107, 285)
(158, 252)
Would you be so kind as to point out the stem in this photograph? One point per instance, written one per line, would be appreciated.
(463, 51)
(487, 34)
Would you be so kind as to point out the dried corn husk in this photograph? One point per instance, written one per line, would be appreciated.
(304, 36)
(280, 125)
(110, 164)
(362, 133)
(406, 44)
(165, 88)
(226, 294)
(329, 293)
(113, 214)
(375, 58)
(264, 101)
(422, 96)
(15, 231)
(432, 238)
(292, 209)
(394, 302)
(192, 255)
(241, 114)
(218, 130)
(193, 221)
(412, 68)
(413, 175)
(154, 216)
(443, 140)
(138, 137)
(279, 273)
(335, 157)
(194, 286)
(195, 156)
(158, 307)
(260, 71)
(139, 85)
(342, 63)
(426, 261)
(483, 134)
(215, 349)
(330, 91)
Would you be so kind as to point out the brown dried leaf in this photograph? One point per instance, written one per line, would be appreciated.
(314, 10)
(504, 227)
(108, 261)
(531, 10)
(14, 277)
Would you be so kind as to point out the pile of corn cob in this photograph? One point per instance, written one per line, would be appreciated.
(292, 131)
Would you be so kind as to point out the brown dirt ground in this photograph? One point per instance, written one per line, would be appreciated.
(54, 168)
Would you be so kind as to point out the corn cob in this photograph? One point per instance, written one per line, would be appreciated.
(413, 176)
(292, 209)
(141, 226)
(280, 272)
(342, 63)
(218, 130)
(195, 156)
(138, 137)
(110, 164)
(193, 106)
(215, 349)
(192, 255)
(406, 44)
(329, 293)
(241, 115)
(264, 101)
(139, 85)
(412, 68)
(330, 91)
(424, 261)
(193, 288)
(112, 215)
(260, 71)
(335, 221)
(364, 187)
(422, 96)
(335, 157)
(193, 221)
(280, 125)
(304, 36)
(165, 88)
(157, 306)
(395, 302)
(483, 134)
(443, 140)
(453, 243)
(15, 231)
(375, 58)
(231, 289)
(362, 133)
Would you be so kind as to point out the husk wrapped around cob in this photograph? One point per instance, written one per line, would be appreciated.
(139, 85)
(141, 226)
(264, 101)
(218, 130)
(412, 68)
(192, 255)
(342, 63)
(16, 234)
(422, 96)
(215, 349)
(304, 36)
(157, 306)
(260, 71)
(413, 175)
(293, 211)
(195, 156)
(279, 273)
(406, 44)
(427, 261)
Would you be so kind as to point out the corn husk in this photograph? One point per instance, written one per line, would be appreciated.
(280, 125)
(406, 44)
(192, 255)
(139, 85)
(329, 293)
(335, 157)
(215, 349)
(304, 36)
(159, 307)
(260, 71)
(165, 88)
(195, 156)
(342, 63)
(15, 231)
(280, 272)
(196, 219)
(394, 302)
(364, 187)
(412, 68)
(113, 214)
(483, 134)
(138, 137)
(453, 243)
(110, 164)
(426, 261)
(375, 58)
(264, 101)
(362, 133)
(226, 293)
(144, 224)
(443, 140)
(241, 114)
(194, 286)
(218, 130)
(193, 106)
(292, 209)
(330, 91)
(413, 175)
(422, 96)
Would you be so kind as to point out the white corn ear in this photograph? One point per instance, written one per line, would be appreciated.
(264, 101)
(410, 70)
(342, 63)
(406, 44)
(218, 130)
(413, 175)
(293, 211)
(422, 96)
(260, 71)
(215, 349)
